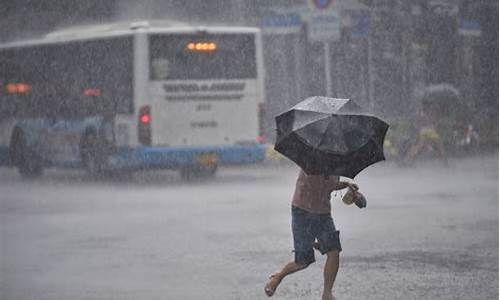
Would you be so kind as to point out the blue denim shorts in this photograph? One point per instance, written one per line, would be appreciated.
(308, 227)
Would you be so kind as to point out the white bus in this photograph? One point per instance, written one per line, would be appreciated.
(122, 98)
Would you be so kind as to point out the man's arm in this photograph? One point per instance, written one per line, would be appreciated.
(344, 184)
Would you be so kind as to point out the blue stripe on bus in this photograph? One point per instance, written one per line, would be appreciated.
(171, 157)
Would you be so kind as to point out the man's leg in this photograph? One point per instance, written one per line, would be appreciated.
(303, 240)
(330, 273)
(276, 278)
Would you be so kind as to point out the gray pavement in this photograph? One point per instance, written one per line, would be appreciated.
(429, 232)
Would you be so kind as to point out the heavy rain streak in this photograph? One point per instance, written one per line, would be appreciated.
(217, 149)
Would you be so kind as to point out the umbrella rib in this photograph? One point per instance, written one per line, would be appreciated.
(371, 138)
(323, 136)
(323, 116)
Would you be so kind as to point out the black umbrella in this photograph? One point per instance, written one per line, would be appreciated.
(330, 136)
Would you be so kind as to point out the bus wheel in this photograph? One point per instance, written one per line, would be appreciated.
(93, 154)
(25, 159)
(198, 172)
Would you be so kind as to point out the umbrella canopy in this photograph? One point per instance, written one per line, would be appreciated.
(444, 99)
(442, 93)
(330, 136)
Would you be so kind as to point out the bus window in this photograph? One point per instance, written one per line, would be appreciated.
(208, 56)
(77, 78)
(160, 68)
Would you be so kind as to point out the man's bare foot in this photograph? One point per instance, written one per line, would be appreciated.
(272, 284)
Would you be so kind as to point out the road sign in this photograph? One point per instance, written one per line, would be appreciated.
(469, 27)
(323, 21)
(277, 22)
(360, 24)
(324, 26)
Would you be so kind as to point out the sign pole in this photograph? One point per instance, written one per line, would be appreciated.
(324, 26)
(328, 73)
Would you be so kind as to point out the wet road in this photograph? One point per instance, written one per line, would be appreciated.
(428, 232)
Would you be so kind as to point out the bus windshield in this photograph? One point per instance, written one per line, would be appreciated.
(207, 56)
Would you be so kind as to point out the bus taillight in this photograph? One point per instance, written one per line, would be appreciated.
(92, 92)
(261, 138)
(144, 125)
(18, 88)
(145, 118)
